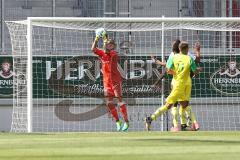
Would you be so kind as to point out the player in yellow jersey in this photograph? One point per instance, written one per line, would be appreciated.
(182, 111)
(179, 65)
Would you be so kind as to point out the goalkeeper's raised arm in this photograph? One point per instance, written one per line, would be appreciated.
(100, 33)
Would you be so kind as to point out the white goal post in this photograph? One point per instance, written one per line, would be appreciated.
(53, 55)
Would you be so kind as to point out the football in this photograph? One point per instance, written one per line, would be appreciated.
(101, 32)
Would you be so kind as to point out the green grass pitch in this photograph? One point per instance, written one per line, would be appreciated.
(121, 146)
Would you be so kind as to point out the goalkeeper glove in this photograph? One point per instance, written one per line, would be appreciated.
(101, 32)
(105, 38)
(97, 38)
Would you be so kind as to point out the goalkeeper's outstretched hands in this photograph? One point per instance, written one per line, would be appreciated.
(101, 33)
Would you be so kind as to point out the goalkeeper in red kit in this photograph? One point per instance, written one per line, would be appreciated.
(112, 80)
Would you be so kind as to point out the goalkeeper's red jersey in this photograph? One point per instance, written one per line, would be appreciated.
(109, 66)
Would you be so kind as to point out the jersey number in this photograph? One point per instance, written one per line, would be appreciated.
(180, 67)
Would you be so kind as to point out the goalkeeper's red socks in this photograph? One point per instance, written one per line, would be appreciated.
(123, 110)
(113, 111)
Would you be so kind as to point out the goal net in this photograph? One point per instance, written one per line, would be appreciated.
(58, 81)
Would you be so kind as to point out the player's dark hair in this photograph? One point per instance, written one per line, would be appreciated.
(175, 45)
(111, 41)
(183, 46)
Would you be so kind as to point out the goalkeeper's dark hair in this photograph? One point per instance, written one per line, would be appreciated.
(112, 41)
(175, 46)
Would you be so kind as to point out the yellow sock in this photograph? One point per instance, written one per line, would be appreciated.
(182, 115)
(191, 114)
(175, 116)
(159, 111)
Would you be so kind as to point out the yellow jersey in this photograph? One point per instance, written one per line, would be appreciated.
(181, 64)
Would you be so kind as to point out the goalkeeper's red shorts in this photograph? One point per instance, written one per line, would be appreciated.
(113, 90)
